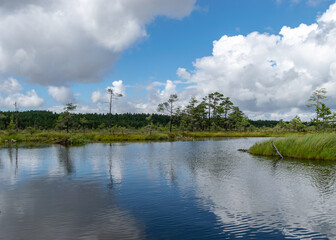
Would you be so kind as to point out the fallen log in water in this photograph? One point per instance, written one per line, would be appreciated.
(277, 151)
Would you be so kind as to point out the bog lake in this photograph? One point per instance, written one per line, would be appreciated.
(163, 190)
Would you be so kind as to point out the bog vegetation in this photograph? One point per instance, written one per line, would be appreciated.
(214, 116)
(314, 145)
(310, 146)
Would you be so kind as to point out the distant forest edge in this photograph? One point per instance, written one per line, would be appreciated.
(213, 113)
(47, 120)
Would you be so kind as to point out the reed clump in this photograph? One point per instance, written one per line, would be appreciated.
(321, 146)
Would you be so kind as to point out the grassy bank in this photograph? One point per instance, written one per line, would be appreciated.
(320, 146)
(82, 138)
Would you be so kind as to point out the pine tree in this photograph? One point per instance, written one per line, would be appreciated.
(169, 107)
(316, 99)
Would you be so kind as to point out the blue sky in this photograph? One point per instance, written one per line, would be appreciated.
(71, 59)
(177, 43)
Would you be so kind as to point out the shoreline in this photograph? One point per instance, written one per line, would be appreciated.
(99, 137)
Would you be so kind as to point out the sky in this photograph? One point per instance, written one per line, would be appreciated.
(268, 56)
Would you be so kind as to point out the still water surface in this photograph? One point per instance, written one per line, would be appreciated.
(178, 190)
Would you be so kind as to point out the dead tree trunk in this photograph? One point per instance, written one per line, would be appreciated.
(277, 151)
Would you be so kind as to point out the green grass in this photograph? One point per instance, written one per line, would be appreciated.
(75, 138)
(321, 146)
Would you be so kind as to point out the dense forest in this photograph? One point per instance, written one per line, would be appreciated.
(46, 120)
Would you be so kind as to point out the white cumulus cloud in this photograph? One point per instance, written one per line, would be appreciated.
(118, 87)
(55, 42)
(271, 74)
(103, 96)
(96, 96)
(11, 93)
(183, 73)
(10, 85)
(121, 104)
(62, 94)
(28, 100)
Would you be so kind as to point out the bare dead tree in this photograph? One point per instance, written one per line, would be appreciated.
(17, 117)
(113, 96)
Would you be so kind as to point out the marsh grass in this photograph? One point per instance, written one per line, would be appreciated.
(76, 138)
(321, 146)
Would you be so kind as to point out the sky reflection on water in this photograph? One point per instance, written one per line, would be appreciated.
(178, 190)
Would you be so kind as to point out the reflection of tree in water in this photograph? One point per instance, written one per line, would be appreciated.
(321, 173)
(276, 164)
(1, 162)
(113, 163)
(170, 169)
(110, 185)
(65, 159)
(10, 154)
(11, 158)
(164, 158)
(211, 157)
(171, 172)
(16, 159)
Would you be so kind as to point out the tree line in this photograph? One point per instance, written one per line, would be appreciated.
(217, 112)
(46, 120)
(212, 113)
